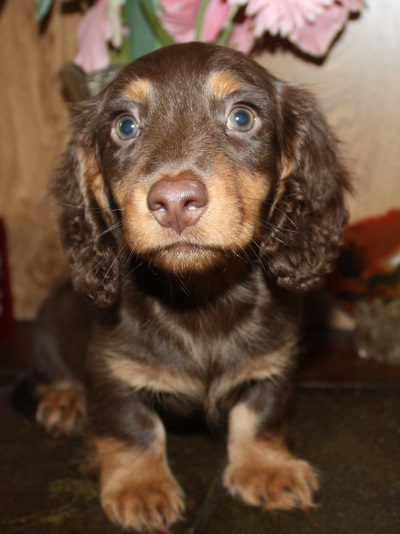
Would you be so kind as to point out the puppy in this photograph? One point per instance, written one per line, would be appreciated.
(198, 197)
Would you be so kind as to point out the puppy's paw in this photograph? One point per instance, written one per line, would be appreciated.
(144, 506)
(284, 484)
(138, 490)
(62, 408)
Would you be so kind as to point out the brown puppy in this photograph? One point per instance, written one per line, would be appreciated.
(198, 196)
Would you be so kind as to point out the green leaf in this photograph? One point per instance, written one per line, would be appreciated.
(122, 55)
(229, 26)
(225, 34)
(200, 19)
(42, 7)
(161, 33)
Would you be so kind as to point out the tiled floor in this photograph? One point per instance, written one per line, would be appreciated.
(350, 432)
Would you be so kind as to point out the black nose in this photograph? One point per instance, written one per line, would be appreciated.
(177, 204)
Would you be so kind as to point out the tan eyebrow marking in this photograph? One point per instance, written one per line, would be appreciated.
(222, 84)
(138, 90)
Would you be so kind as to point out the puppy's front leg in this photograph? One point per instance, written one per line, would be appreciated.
(138, 490)
(261, 470)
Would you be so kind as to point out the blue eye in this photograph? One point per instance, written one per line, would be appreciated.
(241, 120)
(126, 127)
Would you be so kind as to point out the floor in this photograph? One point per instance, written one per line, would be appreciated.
(345, 419)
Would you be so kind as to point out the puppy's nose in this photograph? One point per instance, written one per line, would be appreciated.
(177, 204)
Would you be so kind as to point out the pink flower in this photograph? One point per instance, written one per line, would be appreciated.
(309, 24)
(179, 17)
(100, 25)
(314, 38)
(243, 37)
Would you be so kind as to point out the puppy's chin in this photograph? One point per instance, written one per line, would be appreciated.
(187, 258)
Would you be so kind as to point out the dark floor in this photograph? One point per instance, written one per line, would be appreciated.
(345, 420)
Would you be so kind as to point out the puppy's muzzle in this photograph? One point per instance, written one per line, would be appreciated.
(177, 203)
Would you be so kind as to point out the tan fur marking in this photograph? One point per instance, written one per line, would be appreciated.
(146, 376)
(262, 471)
(138, 90)
(288, 168)
(93, 183)
(222, 84)
(241, 194)
(62, 408)
(273, 364)
(254, 190)
(138, 490)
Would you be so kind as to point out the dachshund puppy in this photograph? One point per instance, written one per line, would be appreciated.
(199, 196)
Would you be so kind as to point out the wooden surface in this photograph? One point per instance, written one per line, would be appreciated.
(358, 86)
(32, 134)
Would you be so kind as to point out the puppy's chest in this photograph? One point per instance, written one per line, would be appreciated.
(202, 357)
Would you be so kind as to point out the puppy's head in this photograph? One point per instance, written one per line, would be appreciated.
(192, 155)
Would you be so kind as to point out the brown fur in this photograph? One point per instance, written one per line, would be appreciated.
(204, 314)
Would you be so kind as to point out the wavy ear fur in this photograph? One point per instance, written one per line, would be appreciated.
(85, 213)
(308, 214)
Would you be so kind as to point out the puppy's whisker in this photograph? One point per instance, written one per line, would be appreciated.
(129, 258)
(287, 217)
(245, 257)
(95, 269)
(268, 224)
(110, 229)
(258, 259)
(136, 266)
(283, 242)
(270, 260)
(116, 259)
(89, 208)
(271, 202)
(183, 286)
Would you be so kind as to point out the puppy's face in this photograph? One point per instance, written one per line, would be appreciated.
(186, 144)
(194, 155)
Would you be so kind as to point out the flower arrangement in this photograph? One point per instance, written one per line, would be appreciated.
(310, 25)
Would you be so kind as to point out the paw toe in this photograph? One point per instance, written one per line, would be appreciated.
(144, 509)
(61, 410)
(284, 486)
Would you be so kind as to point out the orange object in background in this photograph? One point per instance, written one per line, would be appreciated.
(369, 265)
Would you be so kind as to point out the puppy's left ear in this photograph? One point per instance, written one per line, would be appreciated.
(85, 216)
(307, 213)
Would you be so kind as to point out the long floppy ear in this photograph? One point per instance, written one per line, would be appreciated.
(307, 213)
(84, 212)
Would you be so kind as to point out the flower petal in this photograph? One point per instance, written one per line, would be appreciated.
(243, 36)
(315, 38)
(94, 31)
(216, 16)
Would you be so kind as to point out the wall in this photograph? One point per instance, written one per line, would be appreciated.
(358, 87)
(32, 133)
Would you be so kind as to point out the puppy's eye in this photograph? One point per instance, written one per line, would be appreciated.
(126, 127)
(241, 119)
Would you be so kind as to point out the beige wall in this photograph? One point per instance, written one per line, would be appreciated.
(32, 133)
(358, 87)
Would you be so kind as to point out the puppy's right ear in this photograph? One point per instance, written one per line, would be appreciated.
(84, 211)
